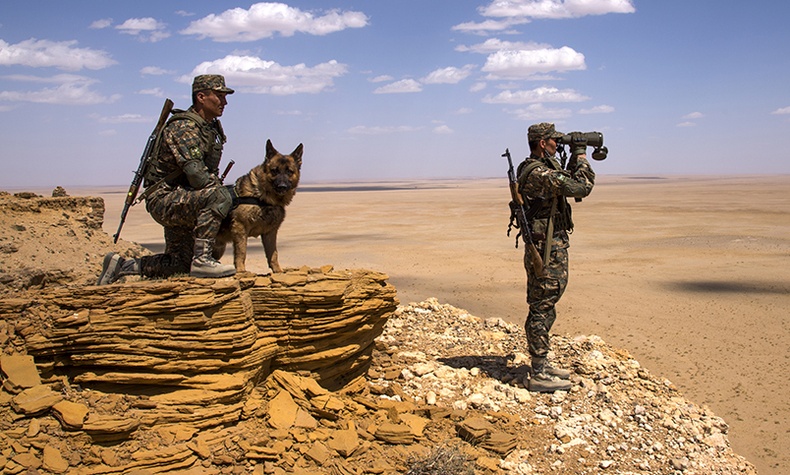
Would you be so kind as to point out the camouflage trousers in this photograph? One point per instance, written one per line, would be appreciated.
(543, 293)
(186, 215)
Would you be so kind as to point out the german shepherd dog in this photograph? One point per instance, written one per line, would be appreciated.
(263, 194)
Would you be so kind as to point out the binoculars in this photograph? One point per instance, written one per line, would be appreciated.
(592, 139)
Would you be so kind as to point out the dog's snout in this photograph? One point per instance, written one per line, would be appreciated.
(282, 186)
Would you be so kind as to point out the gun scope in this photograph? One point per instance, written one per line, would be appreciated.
(593, 139)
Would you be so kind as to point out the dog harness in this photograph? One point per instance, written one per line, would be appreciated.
(244, 200)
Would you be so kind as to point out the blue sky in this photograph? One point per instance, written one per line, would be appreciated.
(388, 90)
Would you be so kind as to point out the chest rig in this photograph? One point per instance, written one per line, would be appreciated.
(163, 167)
(544, 207)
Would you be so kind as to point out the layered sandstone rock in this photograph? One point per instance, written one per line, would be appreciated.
(190, 350)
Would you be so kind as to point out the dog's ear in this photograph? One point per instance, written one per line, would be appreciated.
(270, 150)
(297, 155)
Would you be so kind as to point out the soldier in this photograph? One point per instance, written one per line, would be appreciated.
(545, 187)
(183, 191)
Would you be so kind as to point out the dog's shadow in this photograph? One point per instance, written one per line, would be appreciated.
(495, 367)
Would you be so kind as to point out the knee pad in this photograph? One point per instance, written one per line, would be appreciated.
(220, 201)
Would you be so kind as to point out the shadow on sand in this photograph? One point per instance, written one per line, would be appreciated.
(729, 287)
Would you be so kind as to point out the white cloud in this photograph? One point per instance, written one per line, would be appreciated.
(382, 78)
(555, 9)
(379, 130)
(602, 109)
(101, 24)
(56, 54)
(694, 115)
(263, 20)
(404, 85)
(523, 64)
(155, 71)
(156, 92)
(492, 45)
(463, 111)
(783, 110)
(69, 89)
(258, 76)
(487, 26)
(123, 119)
(687, 124)
(449, 75)
(540, 112)
(145, 29)
(540, 94)
(443, 130)
(477, 87)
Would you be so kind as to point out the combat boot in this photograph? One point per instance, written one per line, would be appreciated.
(545, 383)
(543, 380)
(114, 267)
(556, 372)
(204, 264)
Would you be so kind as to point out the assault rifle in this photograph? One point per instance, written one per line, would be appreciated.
(520, 216)
(140, 173)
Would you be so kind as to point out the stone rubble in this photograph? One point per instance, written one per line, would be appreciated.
(617, 418)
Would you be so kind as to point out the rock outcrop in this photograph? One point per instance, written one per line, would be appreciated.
(190, 351)
(53, 241)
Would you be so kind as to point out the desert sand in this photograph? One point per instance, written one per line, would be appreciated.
(689, 274)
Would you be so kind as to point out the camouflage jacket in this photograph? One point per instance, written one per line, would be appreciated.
(540, 180)
(187, 136)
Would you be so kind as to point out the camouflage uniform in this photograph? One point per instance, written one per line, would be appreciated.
(186, 213)
(544, 185)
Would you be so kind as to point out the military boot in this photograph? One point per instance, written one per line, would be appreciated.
(204, 264)
(114, 267)
(556, 372)
(542, 381)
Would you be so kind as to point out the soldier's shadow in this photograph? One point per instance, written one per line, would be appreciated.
(495, 367)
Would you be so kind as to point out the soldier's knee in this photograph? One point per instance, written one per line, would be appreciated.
(220, 201)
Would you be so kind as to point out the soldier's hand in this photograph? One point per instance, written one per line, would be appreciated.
(578, 144)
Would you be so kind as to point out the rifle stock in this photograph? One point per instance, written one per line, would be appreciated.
(521, 219)
(225, 173)
(131, 195)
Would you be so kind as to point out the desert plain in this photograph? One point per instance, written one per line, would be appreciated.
(690, 274)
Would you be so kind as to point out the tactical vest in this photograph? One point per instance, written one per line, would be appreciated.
(212, 139)
(538, 207)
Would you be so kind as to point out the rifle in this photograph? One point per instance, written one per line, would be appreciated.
(522, 224)
(225, 173)
(140, 173)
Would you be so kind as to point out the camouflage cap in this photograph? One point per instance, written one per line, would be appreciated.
(542, 131)
(214, 82)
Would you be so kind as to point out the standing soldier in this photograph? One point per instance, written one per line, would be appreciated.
(183, 191)
(545, 186)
